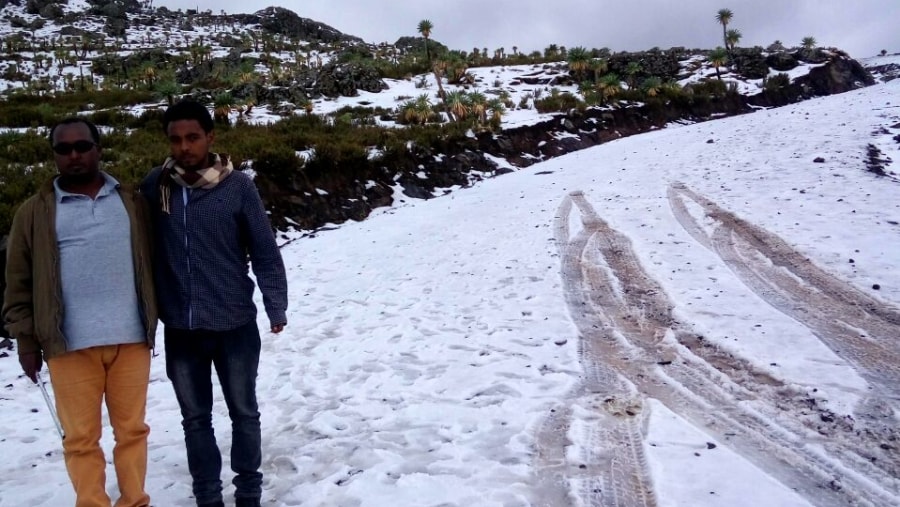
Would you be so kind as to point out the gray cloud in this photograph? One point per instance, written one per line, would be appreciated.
(860, 27)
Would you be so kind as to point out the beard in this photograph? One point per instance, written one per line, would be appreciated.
(203, 163)
(78, 179)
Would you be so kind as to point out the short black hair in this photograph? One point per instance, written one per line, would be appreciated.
(95, 132)
(188, 110)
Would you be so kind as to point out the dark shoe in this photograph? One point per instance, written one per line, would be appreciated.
(218, 503)
(246, 502)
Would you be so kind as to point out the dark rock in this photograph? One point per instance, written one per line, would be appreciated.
(345, 79)
(279, 95)
(819, 160)
(655, 62)
(782, 61)
(886, 72)
(70, 30)
(838, 75)
(750, 62)
(285, 22)
(245, 91)
(190, 73)
(412, 188)
(815, 55)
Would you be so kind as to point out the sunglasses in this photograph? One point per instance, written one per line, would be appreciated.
(79, 146)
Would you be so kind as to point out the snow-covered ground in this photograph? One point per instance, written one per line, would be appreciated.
(532, 341)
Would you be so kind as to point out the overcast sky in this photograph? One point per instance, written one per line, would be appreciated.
(860, 27)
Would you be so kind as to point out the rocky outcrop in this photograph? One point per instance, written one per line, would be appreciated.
(285, 22)
(114, 7)
(655, 62)
(331, 80)
(750, 63)
(310, 209)
(812, 55)
(344, 79)
(49, 9)
(884, 72)
(191, 73)
(73, 31)
(841, 74)
(782, 61)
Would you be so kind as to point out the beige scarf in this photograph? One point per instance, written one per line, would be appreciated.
(203, 178)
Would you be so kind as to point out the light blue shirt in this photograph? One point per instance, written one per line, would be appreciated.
(99, 297)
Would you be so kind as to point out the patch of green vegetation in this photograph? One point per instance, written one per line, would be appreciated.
(338, 147)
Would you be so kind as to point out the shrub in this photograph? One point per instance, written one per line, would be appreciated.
(150, 119)
(18, 182)
(337, 162)
(129, 155)
(24, 149)
(556, 102)
(109, 117)
(777, 82)
(278, 163)
(710, 88)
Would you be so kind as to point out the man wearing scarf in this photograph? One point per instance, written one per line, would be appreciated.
(208, 222)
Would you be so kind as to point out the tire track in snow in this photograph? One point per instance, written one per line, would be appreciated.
(856, 327)
(603, 412)
(627, 330)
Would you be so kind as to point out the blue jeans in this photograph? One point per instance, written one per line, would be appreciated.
(190, 354)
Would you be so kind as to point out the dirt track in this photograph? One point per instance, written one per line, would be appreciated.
(633, 348)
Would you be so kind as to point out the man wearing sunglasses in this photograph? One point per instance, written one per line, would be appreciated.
(80, 296)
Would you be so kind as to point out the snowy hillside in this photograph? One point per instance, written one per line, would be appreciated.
(62, 55)
(704, 315)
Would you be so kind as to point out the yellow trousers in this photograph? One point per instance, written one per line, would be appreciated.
(81, 379)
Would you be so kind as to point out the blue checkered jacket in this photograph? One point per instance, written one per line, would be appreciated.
(202, 249)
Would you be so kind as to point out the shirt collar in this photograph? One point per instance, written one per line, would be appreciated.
(109, 185)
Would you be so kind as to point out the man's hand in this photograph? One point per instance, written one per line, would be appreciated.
(31, 364)
(277, 328)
